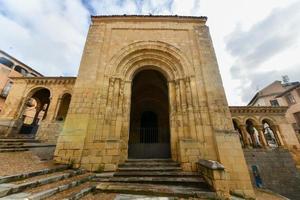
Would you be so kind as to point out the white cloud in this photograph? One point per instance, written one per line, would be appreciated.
(49, 35)
(256, 49)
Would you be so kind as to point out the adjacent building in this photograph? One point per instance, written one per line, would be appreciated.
(281, 94)
(12, 67)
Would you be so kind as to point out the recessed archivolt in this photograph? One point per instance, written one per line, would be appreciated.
(149, 62)
(147, 53)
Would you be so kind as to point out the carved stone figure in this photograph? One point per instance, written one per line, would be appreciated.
(256, 137)
(269, 135)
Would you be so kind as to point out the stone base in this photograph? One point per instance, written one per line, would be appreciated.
(189, 154)
(49, 131)
(277, 170)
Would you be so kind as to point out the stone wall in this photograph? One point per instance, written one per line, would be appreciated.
(277, 170)
(180, 48)
(49, 131)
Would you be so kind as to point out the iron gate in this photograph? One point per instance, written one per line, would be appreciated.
(150, 145)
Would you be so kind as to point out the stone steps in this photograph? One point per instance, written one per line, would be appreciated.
(18, 177)
(26, 146)
(47, 183)
(15, 140)
(148, 169)
(16, 145)
(13, 150)
(16, 188)
(155, 190)
(47, 193)
(75, 193)
(154, 177)
(156, 173)
(149, 164)
(184, 181)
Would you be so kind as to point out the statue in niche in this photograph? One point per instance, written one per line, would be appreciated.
(255, 136)
(269, 135)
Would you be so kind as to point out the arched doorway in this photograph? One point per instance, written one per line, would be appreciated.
(149, 117)
(35, 110)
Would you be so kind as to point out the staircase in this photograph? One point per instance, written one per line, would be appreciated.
(56, 183)
(16, 145)
(154, 177)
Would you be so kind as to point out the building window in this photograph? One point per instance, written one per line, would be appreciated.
(21, 70)
(290, 99)
(6, 62)
(6, 89)
(31, 75)
(274, 103)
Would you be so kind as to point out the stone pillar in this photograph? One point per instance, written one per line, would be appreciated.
(173, 120)
(276, 131)
(261, 135)
(245, 135)
(57, 108)
(53, 103)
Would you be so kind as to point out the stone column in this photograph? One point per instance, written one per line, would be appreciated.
(51, 107)
(57, 108)
(173, 119)
(276, 131)
(245, 134)
(261, 135)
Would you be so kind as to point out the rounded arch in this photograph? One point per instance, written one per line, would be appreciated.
(270, 132)
(254, 121)
(237, 121)
(268, 119)
(30, 91)
(32, 114)
(149, 53)
(64, 93)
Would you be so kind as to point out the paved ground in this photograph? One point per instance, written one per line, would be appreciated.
(266, 195)
(19, 162)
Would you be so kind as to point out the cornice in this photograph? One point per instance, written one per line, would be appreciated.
(258, 109)
(174, 18)
(45, 80)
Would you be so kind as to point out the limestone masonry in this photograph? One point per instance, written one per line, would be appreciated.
(148, 87)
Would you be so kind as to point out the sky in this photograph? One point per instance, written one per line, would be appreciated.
(256, 42)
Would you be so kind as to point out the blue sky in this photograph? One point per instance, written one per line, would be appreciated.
(256, 41)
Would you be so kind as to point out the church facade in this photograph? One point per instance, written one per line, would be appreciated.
(141, 73)
(148, 87)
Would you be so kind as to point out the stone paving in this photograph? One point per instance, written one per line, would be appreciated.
(20, 162)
